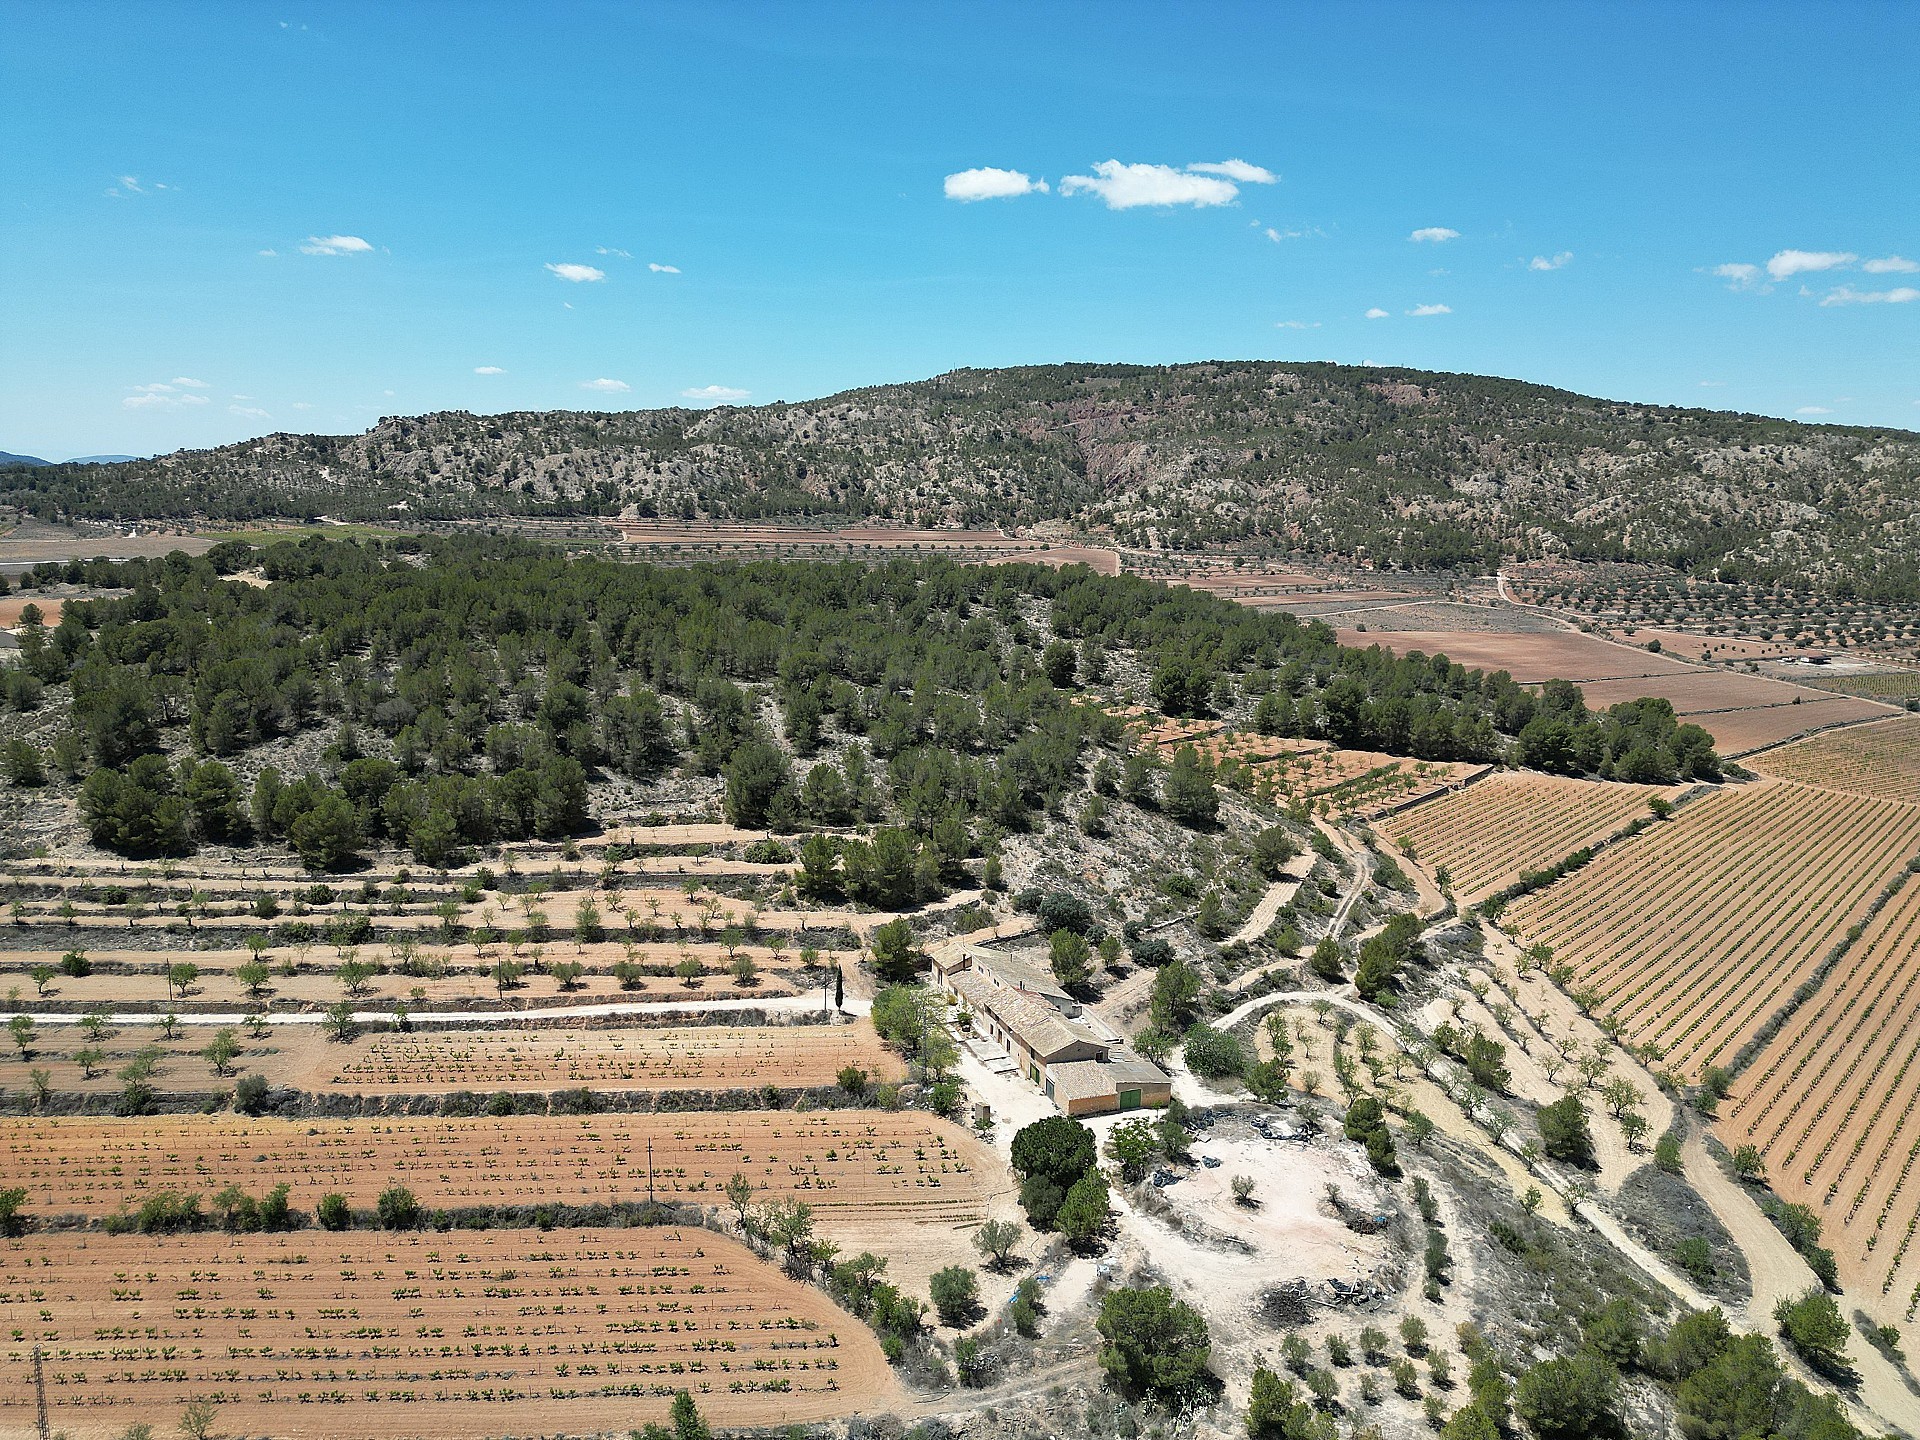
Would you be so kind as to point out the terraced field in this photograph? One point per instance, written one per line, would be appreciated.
(905, 1167)
(1490, 833)
(679, 1058)
(1696, 931)
(1286, 771)
(1830, 1103)
(1882, 760)
(387, 1335)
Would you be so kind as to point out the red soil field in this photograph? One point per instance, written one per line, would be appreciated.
(12, 605)
(1741, 712)
(1697, 930)
(378, 1334)
(1685, 645)
(1529, 656)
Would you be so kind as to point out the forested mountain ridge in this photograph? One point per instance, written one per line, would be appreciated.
(1377, 464)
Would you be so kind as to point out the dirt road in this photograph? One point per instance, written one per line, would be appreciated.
(1779, 1273)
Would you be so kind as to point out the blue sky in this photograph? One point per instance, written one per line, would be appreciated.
(220, 220)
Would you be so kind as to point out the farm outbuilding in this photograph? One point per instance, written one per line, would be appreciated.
(1032, 1027)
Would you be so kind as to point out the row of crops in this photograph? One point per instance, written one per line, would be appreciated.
(1696, 932)
(1488, 834)
(1882, 759)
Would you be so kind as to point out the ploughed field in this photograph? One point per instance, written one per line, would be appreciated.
(907, 1166)
(383, 1334)
(1489, 834)
(1696, 931)
(1741, 712)
(1882, 760)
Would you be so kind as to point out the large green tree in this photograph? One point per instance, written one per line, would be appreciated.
(1152, 1344)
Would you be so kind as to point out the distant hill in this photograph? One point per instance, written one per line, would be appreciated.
(10, 459)
(1392, 466)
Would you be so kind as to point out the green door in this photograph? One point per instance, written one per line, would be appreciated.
(1129, 1099)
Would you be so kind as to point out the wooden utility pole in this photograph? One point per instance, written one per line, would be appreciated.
(40, 1398)
(649, 1174)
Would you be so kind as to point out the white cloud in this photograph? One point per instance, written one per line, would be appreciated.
(1237, 170)
(488, 370)
(1891, 265)
(1277, 236)
(1296, 324)
(335, 245)
(1711, 384)
(612, 250)
(248, 412)
(605, 386)
(126, 185)
(186, 384)
(990, 183)
(1421, 310)
(162, 396)
(578, 274)
(715, 393)
(1376, 313)
(657, 268)
(302, 405)
(1550, 262)
(1813, 410)
(1125, 187)
(1739, 275)
(270, 254)
(1433, 235)
(1787, 263)
(1847, 295)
